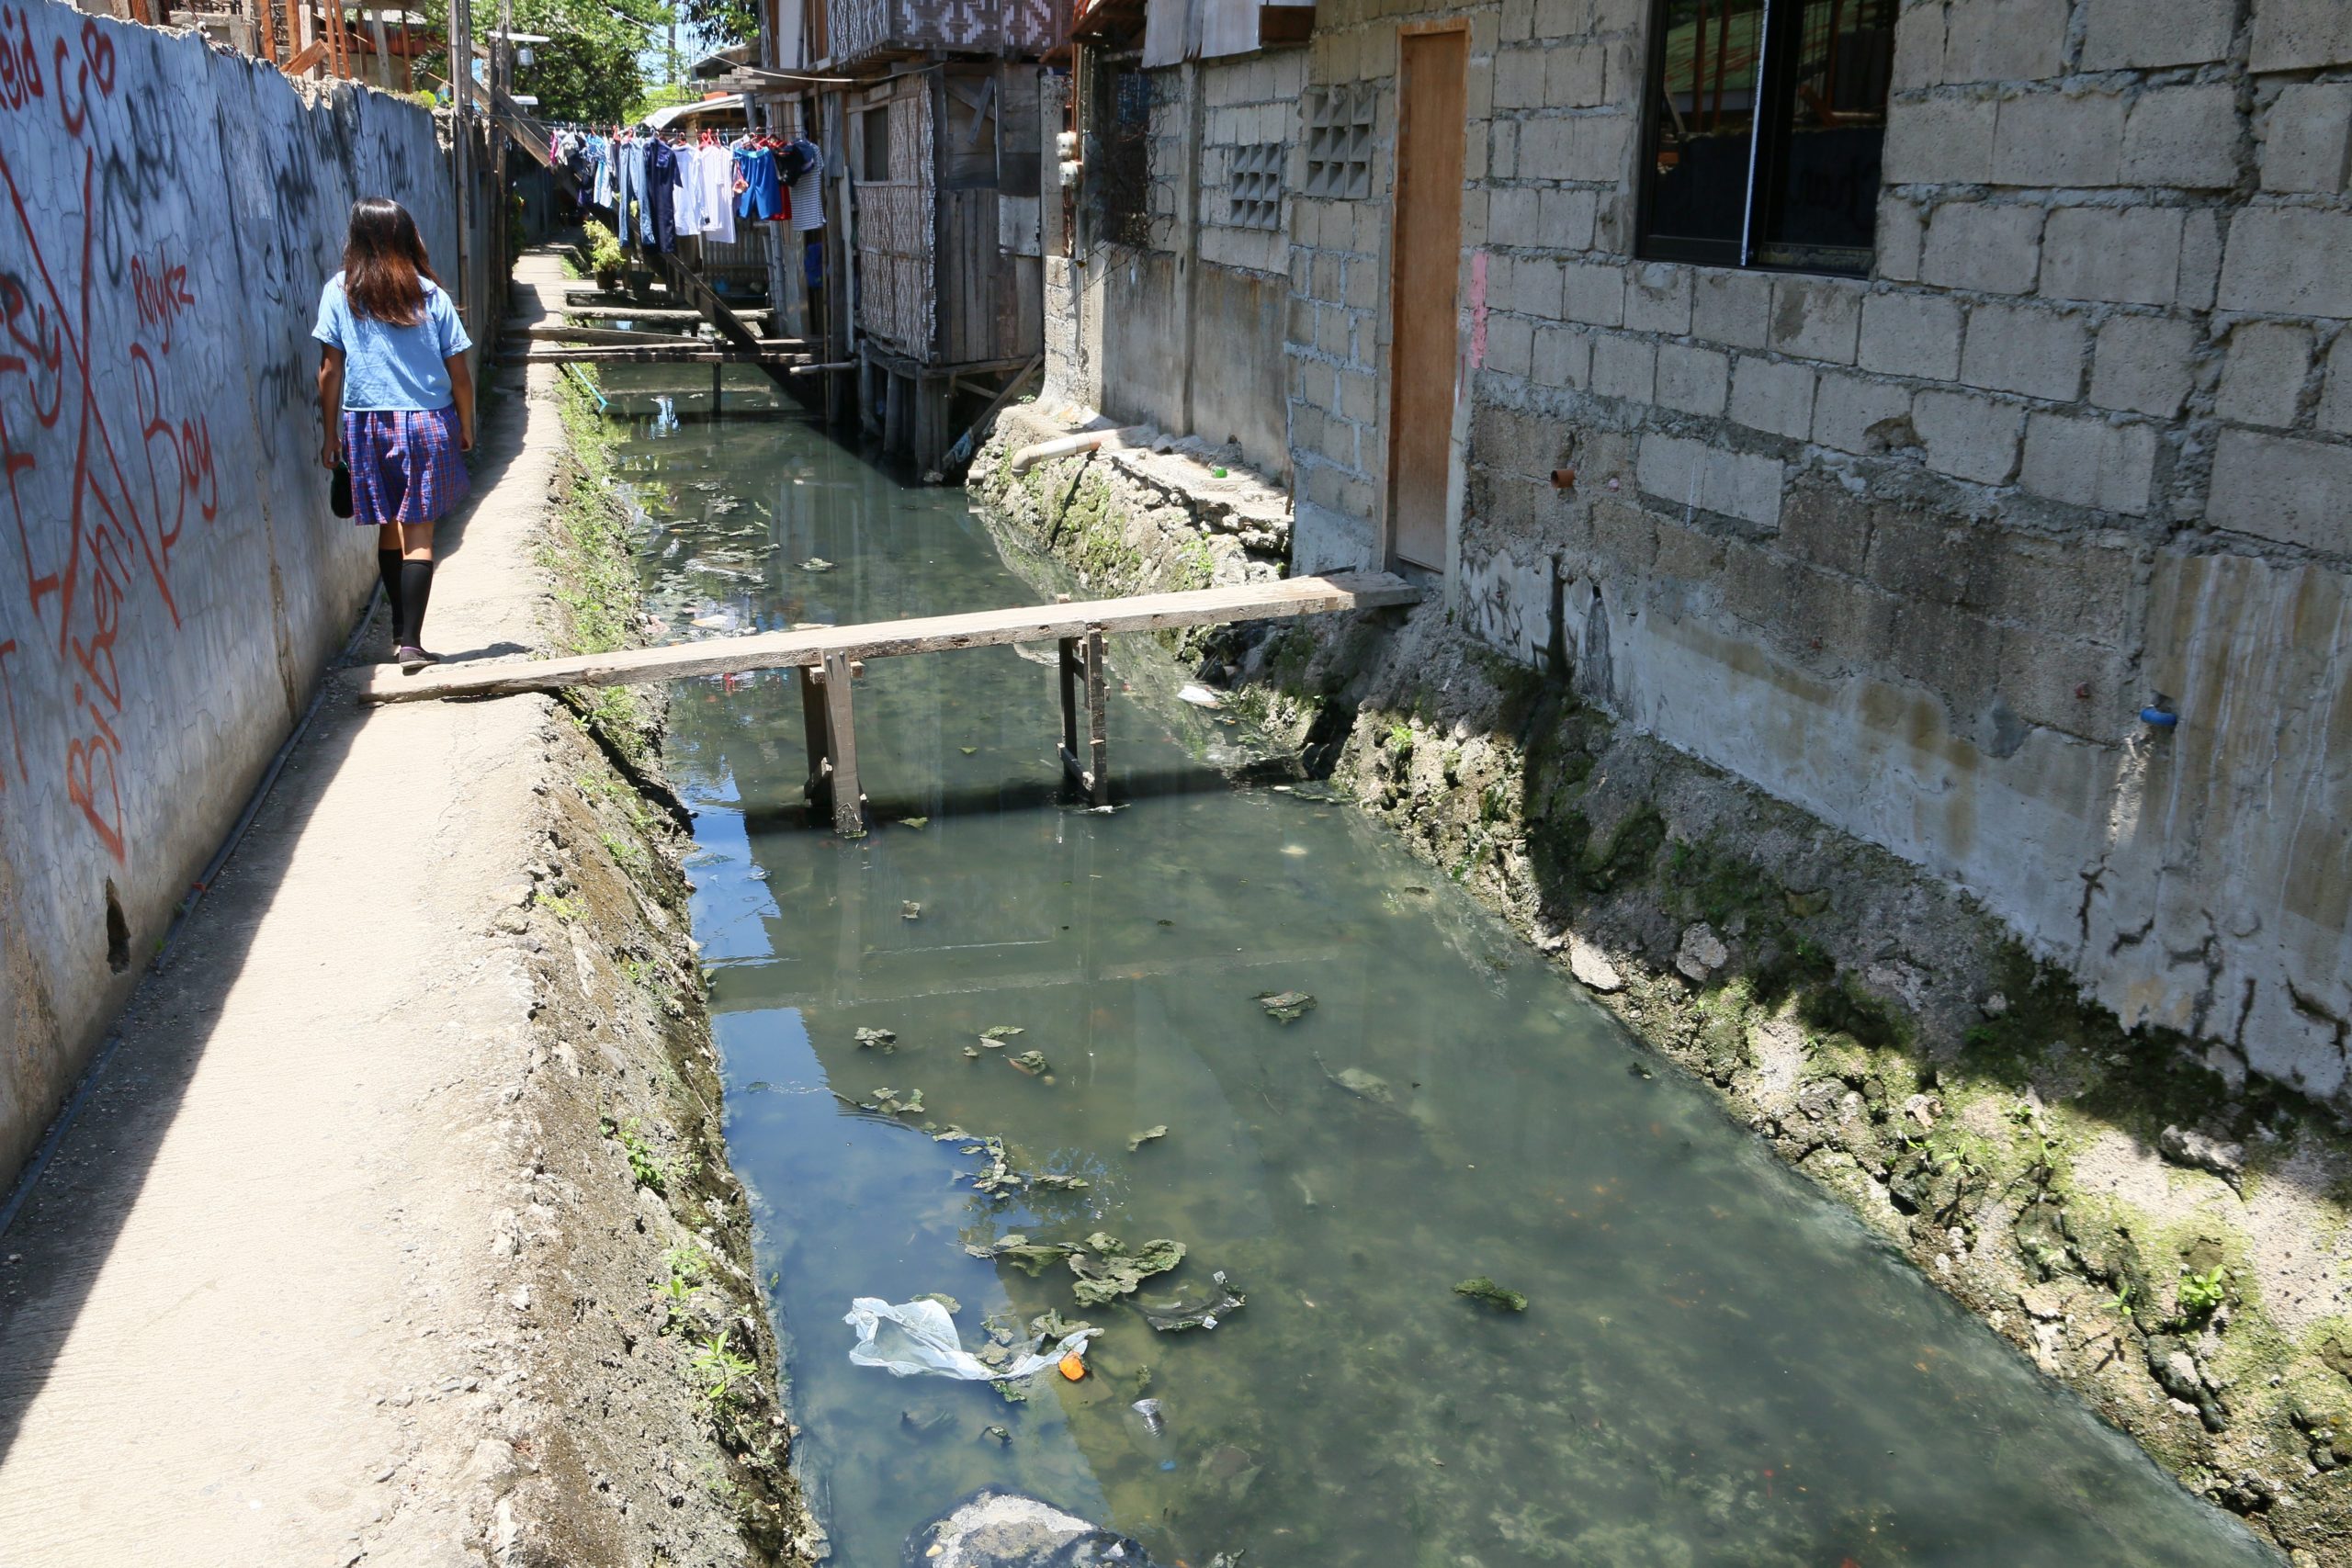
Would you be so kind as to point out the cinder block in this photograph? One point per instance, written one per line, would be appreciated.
(2120, 33)
(2127, 255)
(1773, 395)
(2307, 138)
(1915, 554)
(1815, 318)
(2018, 348)
(2336, 402)
(1939, 141)
(2072, 687)
(1518, 78)
(2089, 462)
(1731, 308)
(1910, 334)
(1575, 76)
(1625, 535)
(1854, 414)
(1534, 288)
(2072, 139)
(2004, 40)
(2289, 261)
(2200, 259)
(1563, 357)
(1983, 245)
(2183, 137)
(1565, 219)
(1919, 48)
(1693, 380)
(1693, 474)
(1624, 367)
(2263, 382)
(1510, 345)
(1967, 436)
(1900, 230)
(1824, 525)
(1359, 395)
(2144, 363)
(1594, 293)
(1513, 216)
(2076, 588)
(1950, 652)
(1689, 554)
(2301, 34)
(1657, 299)
(1603, 148)
(2289, 490)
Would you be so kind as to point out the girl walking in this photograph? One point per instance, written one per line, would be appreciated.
(397, 404)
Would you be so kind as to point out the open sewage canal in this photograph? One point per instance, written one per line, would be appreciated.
(1715, 1365)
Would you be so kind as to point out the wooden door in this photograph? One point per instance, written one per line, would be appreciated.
(1425, 252)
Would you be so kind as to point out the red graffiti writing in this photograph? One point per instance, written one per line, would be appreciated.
(129, 491)
(162, 293)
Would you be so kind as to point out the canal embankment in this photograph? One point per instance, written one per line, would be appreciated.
(2158, 1233)
(400, 1228)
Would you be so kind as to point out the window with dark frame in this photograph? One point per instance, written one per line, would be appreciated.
(1766, 123)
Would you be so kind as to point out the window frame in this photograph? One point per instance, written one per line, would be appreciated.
(1772, 117)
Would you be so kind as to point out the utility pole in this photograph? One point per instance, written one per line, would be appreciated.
(461, 92)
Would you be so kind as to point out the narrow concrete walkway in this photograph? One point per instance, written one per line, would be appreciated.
(253, 1314)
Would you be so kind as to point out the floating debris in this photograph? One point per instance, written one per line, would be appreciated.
(917, 823)
(1003, 1436)
(816, 563)
(1051, 1324)
(970, 751)
(944, 1300)
(1286, 1007)
(1107, 1270)
(1029, 1257)
(973, 1052)
(869, 1038)
(1484, 1290)
(1176, 1316)
(1034, 1062)
(1147, 1135)
(1200, 697)
(909, 910)
(1000, 1034)
(888, 1102)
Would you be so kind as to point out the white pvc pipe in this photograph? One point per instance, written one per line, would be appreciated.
(1084, 441)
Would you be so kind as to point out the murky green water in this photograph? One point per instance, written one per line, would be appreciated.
(1716, 1367)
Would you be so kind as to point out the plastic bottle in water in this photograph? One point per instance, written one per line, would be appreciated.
(1147, 1428)
(665, 418)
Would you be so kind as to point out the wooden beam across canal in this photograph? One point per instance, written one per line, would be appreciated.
(825, 658)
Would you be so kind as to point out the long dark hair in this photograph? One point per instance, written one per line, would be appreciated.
(384, 265)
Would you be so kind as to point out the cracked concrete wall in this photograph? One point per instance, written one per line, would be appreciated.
(1914, 551)
(171, 583)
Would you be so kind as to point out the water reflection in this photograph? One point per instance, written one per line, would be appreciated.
(1716, 1365)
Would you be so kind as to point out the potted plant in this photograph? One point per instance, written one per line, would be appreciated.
(604, 257)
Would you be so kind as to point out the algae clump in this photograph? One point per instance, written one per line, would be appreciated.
(1484, 1290)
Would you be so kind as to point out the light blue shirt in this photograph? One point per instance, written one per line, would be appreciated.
(385, 366)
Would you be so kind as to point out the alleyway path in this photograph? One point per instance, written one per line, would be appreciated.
(251, 1316)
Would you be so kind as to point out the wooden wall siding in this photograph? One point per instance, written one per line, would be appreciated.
(896, 243)
(1010, 29)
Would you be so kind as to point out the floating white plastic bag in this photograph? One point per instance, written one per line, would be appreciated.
(919, 1337)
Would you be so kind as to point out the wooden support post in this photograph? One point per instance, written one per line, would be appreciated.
(820, 791)
(849, 804)
(1098, 777)
(717, 369)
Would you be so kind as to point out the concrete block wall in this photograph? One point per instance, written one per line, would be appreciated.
(1914, 551)
(171, 583)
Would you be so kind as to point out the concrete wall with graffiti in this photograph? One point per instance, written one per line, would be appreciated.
(171, 582)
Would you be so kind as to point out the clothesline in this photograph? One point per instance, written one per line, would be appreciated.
(659, 187)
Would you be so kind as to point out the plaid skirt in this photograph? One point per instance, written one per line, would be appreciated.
(405, 466)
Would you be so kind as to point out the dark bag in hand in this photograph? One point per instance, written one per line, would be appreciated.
(339, 491)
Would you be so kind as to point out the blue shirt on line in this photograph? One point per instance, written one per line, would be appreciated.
(385, 366)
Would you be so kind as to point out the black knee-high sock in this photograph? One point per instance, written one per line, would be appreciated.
(388, 570)
(416, 587)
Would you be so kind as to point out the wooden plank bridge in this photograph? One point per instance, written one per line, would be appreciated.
(825, 660)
